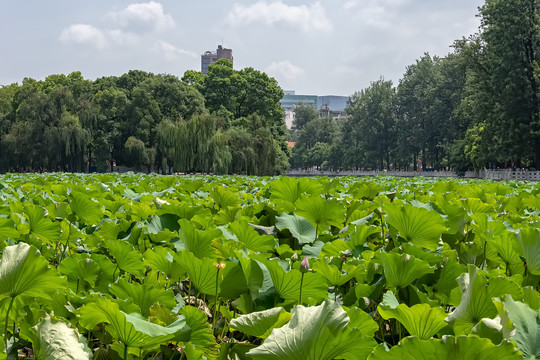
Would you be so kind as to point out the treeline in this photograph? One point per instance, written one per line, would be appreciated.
(227, 121)
(477, 107)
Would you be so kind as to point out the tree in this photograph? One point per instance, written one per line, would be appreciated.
(315, 137)
(372, 115)
(303, 115)
(510, 32)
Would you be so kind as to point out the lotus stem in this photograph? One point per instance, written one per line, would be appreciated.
(125, 351)
(7, 320)
(216, 298)
(301, 284)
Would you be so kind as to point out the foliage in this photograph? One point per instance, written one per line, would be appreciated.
(145, 121)
(135, 266)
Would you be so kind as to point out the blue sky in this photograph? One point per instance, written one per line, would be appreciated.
(326, 47)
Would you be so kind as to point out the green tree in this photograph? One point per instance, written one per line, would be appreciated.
(372, 115)
(303, 115)
(511, 33)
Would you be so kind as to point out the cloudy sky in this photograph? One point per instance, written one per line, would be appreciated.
(325, 47)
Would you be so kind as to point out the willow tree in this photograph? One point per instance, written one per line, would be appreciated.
(188, 144)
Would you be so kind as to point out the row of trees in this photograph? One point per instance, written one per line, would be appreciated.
(223, 122)
(477, 107)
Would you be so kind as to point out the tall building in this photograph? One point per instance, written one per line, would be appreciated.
(328, 105)
(210, 57)
(290, 99)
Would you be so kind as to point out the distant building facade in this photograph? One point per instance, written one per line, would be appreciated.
(329, 105)
(210, 57)
(290, 99)
(332, 102)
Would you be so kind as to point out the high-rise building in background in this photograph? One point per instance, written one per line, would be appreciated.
(328, 105)
(210, 57)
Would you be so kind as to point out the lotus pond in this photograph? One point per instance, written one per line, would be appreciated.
(129, 266)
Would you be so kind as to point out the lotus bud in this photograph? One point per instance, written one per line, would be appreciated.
(219, 264)
(346, 254)
(294, 257)
(364, 302)
(304, 265)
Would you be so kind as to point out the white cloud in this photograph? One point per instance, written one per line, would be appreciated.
(343, 70)
(376, 16)
(145, 14)
(88, 34)
(375, 13)
(351, 4)
(122, 37)
(84, 34)
(171, 52)
(307, 17)
(285, 69)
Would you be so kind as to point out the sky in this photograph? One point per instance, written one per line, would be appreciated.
(325, 47)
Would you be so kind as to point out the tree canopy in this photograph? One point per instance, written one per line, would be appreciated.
(477, 107)
(200, 123)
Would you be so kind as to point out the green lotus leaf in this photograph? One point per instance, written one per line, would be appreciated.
(182, 210)
(201, 336)
(420, 320)
(197, 241)
(25, 273)
(85, 208)
(257, 276)
(287, 284)
(203, 274)
(224, 197)
(475, 206)
(506, 255)
(162, 223)
(362, 321)
(321, 212)
(56, 340)
(520, 324)
(261, 323)
(446, 282)
(7, 229)
(40, 225)
(317, 332)
(528, 245)
(401, 270)
(449, 348)
(225, 216)
(366, 190)
(332, 273)
(251, 238)
(416, 225)
(431, 257)
(490, 329)
(291, 189)
(143, 295)
(232, 282)
(476, 300)
(335, 248)
(531, 297)
(131, 329)
(126, 258)
(80, 267)
(162, 259)
(108, 273)
(114, 229)
(361, 234)
(299, 227)
(533, 202)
